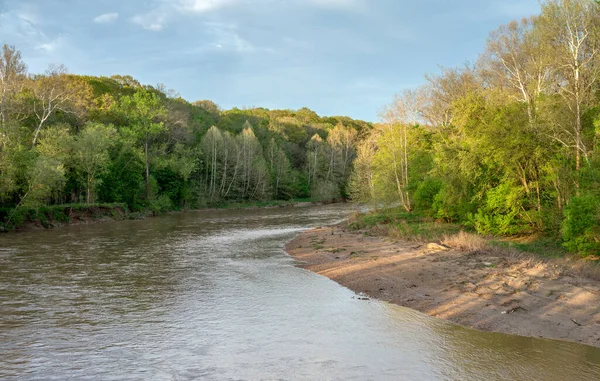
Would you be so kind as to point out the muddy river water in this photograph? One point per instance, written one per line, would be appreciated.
(212, 295)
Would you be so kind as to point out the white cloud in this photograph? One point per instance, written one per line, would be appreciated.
(106, 18)
(167, 10)
(203, 6)
(155, 20)
(227, 38)
(48, 46)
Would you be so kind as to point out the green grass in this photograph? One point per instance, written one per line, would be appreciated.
(544, 247)
(403, 225)
(397, 223)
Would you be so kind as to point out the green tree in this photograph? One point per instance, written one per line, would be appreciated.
(145, 115)
(91, 155)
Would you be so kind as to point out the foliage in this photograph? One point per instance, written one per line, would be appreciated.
(509, 146)
(82, 139)
(581, 226)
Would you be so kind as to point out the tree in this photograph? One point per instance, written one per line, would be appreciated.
(254, 169)
(342, 146)
(145, 113)
(57, 91)
(517, 59)
(315, 152)
(91, 155)
(279, 165)
(12, 73)
(46, 174)
(362, 180)
(212, 146)
(572, 31)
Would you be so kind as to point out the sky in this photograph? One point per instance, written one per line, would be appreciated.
(337, 57)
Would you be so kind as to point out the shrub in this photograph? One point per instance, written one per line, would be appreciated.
(581, 225)
(501, 213)
(465, 241)
(426, 192)
(161, 205)
(325, 191)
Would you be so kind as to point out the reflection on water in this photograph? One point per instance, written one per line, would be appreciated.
(212, 295)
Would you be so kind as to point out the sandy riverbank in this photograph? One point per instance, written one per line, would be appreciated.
(480, 290)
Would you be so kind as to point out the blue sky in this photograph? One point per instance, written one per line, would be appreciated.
(337, 57)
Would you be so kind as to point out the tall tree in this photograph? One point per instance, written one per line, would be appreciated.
(572, 29)
(213, 148)
(145, 113)
(517, 60)
(91, 155)
(12, 73)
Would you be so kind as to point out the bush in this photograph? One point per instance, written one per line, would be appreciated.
(581, 225)
(325, 191)
(425, 193)
(161, 205)
(465, 241)
(501, 213)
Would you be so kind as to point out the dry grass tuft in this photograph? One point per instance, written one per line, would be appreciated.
(463, 241)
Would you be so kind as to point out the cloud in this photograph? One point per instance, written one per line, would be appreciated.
(106, 18)
(166, 11)
(49, 46)
(203, 6)
(155, 20)
(227, 38)
(335, 4)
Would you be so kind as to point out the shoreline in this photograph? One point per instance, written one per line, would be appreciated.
(101, 214)
(485, 291)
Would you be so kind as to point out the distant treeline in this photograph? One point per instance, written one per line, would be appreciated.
(79, 139)
(508, 145)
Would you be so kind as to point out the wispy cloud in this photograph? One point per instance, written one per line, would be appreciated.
(50, 46)
(166, 11)
(228, 38)
(203, 6)
(106, 18)
(155, 20)
(335, 4)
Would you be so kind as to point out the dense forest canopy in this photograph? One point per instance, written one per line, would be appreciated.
(80, 139)
(508, 145)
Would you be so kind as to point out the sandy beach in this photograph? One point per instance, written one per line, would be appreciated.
(480, 290)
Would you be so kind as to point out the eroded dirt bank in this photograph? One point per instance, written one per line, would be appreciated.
(480, 290)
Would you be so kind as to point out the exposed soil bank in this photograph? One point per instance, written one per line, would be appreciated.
(480, 290)
(57, 216)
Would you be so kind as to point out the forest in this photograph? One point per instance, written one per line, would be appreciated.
(507, 145)
(70, 139)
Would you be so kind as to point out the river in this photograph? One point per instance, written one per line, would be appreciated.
(212, 295)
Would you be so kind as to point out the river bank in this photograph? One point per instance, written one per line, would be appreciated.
(31, 219)
(485, 290)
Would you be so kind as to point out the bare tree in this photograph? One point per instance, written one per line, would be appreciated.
(443, 90)
(572, 30)
(57, 90)
(515, 59)
(12, 73)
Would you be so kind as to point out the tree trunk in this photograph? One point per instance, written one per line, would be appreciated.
(89, 186)
(147, 170)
